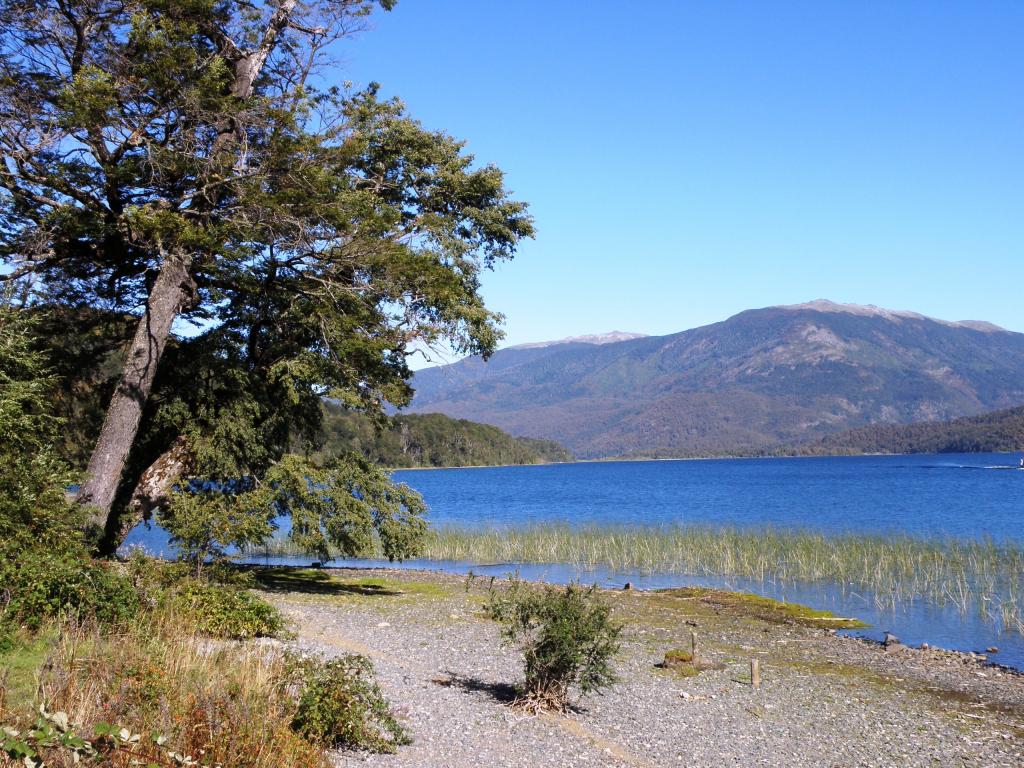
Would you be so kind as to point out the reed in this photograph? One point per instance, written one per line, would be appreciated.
(979, 575)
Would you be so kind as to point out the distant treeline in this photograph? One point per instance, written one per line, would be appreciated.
(431, 440)
(995, 432)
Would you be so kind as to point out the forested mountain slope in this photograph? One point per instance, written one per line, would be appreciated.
(763, 377)
(432, 440)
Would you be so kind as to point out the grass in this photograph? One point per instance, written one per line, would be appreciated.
(978, 575)
(211, 700)
(173, 681)
(21, 665)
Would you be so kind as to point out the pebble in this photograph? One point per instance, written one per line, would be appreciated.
(639, 722)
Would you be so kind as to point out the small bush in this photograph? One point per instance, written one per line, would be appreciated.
(206, 524)
(41, 584)
(341, 706)
(228, 611)
(567, 636)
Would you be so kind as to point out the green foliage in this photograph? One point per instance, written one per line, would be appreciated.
(42, 584)
(567, 636)
(44, 564)
(53, 740)
(340, 706)
(430, 440)
(995, 432)
(205, 523)
(33, 509)
(344, 505)
(325, 233)
(218, 604)
(227, 611)
(348, 507)
(153, 692)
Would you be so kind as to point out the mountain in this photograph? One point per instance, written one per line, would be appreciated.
(783, 374)
(594, 338)
(431, 440)
(995, 432)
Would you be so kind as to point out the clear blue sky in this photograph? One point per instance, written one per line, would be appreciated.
(688, 160)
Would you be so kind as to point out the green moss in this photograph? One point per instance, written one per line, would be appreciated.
(681, 670)
(763, 608)
(400, 586)
(681, 663)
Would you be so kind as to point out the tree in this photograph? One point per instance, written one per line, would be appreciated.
(182, 160)
(44, 563)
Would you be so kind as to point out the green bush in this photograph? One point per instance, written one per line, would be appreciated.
(45, 568)
(228, 611)
(41, 584)
(567, 636)
(340, 706)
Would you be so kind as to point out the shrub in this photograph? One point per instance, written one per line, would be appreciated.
(43, 584)
(45, 568)
(341, 706)
(567, 636)
(221, 704)
(206, 524)
(228, 611)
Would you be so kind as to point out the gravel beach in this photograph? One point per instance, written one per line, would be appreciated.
(825, 700)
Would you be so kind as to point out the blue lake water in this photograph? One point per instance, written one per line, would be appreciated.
(959, 495)
(963, 495)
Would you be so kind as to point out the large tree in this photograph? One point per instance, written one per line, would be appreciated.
(187, 161)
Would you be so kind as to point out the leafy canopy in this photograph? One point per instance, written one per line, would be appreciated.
(325, 233)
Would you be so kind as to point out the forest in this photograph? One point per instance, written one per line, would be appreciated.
(430, 440)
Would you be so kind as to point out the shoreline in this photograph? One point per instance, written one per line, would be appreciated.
(446, 670)
(927, 649)
(728, 457)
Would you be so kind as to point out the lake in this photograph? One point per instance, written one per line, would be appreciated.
(957, 495)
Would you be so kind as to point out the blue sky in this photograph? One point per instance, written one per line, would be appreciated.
(688, 160)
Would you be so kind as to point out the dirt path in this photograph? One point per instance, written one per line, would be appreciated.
(824, 701)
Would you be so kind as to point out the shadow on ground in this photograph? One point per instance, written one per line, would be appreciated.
(317, 582)
(501, 692)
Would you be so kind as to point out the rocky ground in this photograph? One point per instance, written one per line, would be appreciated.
(824, 700)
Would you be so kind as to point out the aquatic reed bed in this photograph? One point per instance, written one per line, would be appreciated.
(976, 574)
(979, 575)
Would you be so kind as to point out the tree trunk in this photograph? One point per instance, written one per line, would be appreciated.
(125, 410)
(151, 492)
(124, 414)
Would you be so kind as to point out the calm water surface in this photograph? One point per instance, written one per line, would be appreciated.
(965, 496)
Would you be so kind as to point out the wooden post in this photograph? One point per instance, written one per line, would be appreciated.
(693, 648)
(755, 673)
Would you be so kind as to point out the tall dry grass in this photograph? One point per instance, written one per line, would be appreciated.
(218, 702)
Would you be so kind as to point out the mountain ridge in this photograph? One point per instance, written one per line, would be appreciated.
(764, 376)
(992, 432)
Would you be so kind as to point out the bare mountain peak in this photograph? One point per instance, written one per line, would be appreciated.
(824, 305)
(611, 337)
